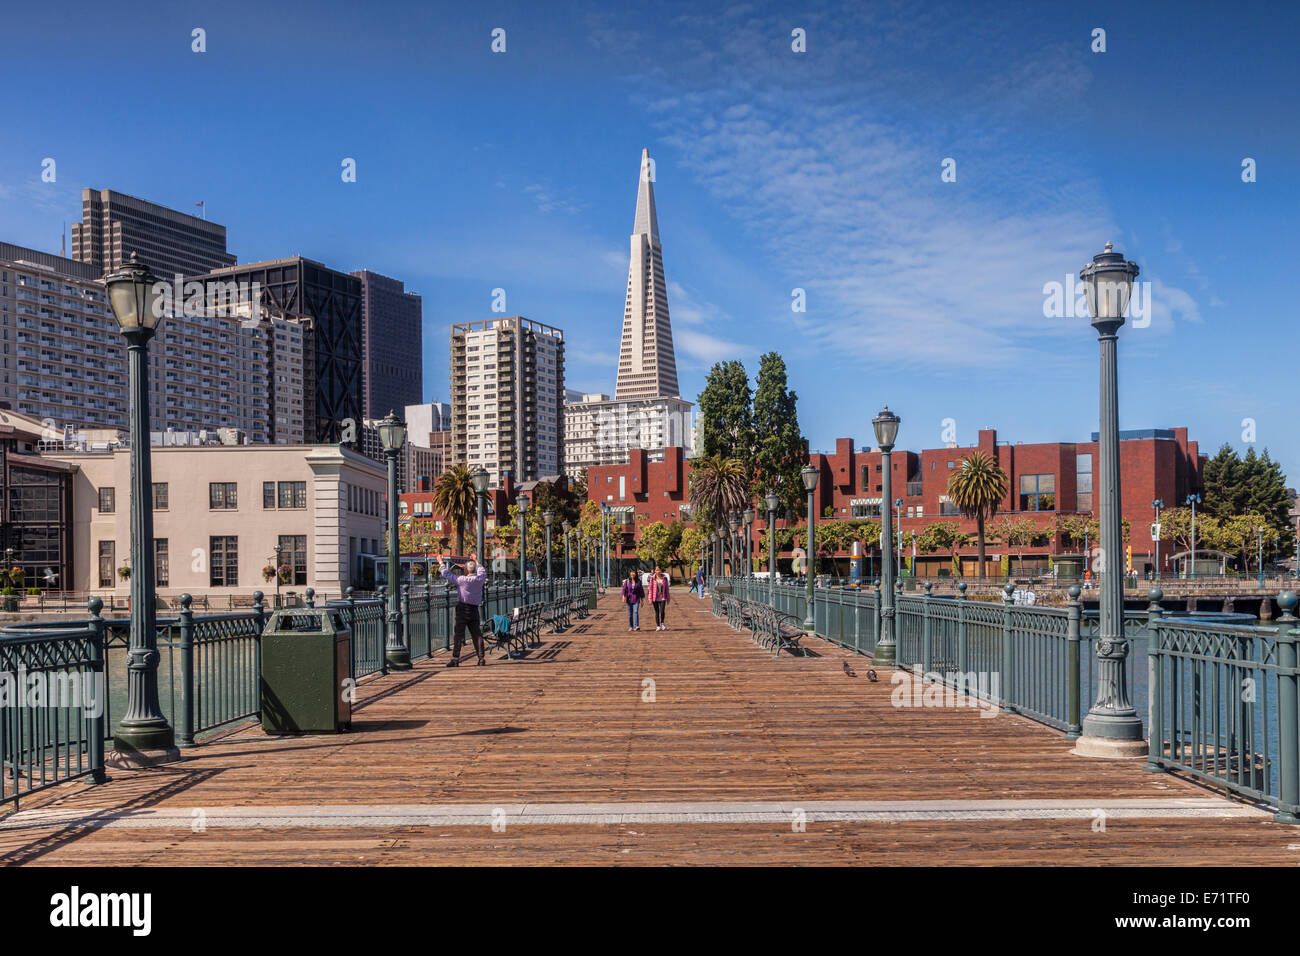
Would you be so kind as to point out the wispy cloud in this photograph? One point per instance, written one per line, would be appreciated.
(839, 179)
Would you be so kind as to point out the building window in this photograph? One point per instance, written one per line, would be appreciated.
(160, 496)
(862, 509)
(222, 495)
(107, 551)
(293, 552)
(293, 494)
(160, 561)
(1037, 492)
(1083, 482)
(268, 494)
(223, 561)
(107, 500)
(866, 477)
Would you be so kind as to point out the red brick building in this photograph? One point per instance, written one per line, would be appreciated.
(1044, 480)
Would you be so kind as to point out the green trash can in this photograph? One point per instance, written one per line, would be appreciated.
(591, 600)
(306, 671)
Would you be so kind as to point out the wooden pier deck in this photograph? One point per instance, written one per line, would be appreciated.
(567, 757)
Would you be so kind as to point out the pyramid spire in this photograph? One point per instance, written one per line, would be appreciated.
(647, 367)
(647, 221)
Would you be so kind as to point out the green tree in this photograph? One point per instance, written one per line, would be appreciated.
(1018, 534)
(718, 485)
(941, 536)
(977, 488)
(725, 415)
(455, 500)
(781, 451)
(654, 546)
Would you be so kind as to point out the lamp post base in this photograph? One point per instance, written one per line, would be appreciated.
(1110, 748)
(885, 654)
(124, 756)
(399, 659)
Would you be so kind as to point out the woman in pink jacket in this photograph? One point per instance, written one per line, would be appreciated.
(659, 597)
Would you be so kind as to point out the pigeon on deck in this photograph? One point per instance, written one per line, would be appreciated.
(849, 670)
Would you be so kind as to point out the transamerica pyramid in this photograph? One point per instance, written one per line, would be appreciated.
(646, 365)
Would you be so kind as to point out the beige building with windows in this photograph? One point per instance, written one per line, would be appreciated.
(220, 510)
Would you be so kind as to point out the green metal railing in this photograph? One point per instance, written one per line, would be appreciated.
(1224, 705)
(1035, 661)
(208, 672)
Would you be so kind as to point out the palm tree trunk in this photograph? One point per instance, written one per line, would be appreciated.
(979, 524)
(460, 536)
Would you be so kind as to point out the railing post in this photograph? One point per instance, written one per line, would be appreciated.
(259, 608)
(1288, 711)
(406, 615)
(352, 626)
(925, 630)
(428, 614)
(1008, 652)
(1073, 719)
(311, 597)
(98, 729)
(185, 721)
(1155, 689)
(961, 628)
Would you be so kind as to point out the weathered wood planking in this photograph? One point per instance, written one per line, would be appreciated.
(569, 724)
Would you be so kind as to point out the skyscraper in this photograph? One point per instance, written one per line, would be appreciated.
(646, 365)
(646, 411)
(391, 319)
(327, 305)
(507, 397)
(114, 225)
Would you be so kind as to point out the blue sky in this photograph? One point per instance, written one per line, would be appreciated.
(774, 171)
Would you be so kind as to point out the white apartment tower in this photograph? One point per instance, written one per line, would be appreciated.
(507, 398)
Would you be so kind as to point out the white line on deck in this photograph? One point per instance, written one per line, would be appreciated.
(576, 814)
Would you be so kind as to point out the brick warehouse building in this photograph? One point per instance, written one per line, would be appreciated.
(1044, 480)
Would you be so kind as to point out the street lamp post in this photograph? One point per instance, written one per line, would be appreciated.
(809, 474)
(733, 522)
(898, 511)
(749, 541)
(521, 503)
(1260, 531)
(1112, 727)
(885, 426)
(567, 527)
(392, 435)
(480, 478)
(1193, 500)
(1157, 504)
(143, 737)
(548, 517)
(772, 501)
(279, 550)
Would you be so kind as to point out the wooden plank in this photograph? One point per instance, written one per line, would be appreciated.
(573, 722)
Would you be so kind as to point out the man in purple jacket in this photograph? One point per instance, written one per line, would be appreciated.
(469, 598)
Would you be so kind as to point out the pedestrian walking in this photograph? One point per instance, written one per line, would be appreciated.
(659, 585)
(469, 599)
(633, 595)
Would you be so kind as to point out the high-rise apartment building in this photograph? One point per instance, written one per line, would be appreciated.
(326, 304)
(646, 411)
(507, 397)
(391, 337)
(64, 360)
(114, 225)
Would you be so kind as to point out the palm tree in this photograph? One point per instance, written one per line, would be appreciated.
(719, 485)
(976, 488)
(454, 499)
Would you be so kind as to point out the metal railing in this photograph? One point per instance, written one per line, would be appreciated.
(209, 671)
(1218, 700)
(1035, 661)
(1224, 705)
